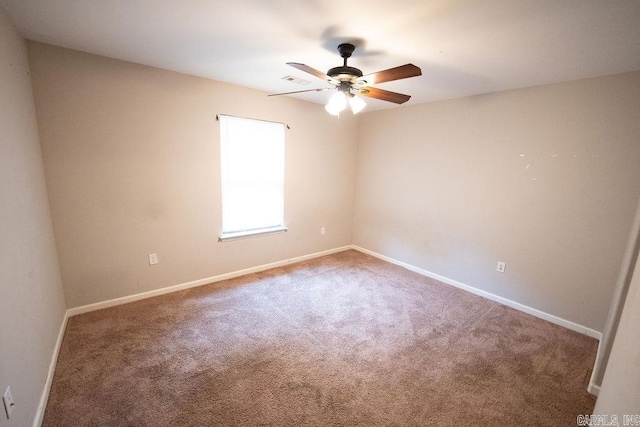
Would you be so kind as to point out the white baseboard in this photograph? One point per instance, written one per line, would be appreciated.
(594, 388)
(526, 309)
(124, 300)
(37, 421)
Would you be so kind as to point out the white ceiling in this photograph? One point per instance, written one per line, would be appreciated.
(464, 47)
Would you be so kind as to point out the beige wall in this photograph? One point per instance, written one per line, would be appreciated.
(131, 156)
(620, 391)
(31, 298)
(545, 179)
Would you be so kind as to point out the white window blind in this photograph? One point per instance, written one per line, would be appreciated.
(252, 156)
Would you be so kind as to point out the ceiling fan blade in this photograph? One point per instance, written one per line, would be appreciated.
(314, 72)
(396, 73)
(300, 91)
(384, 95)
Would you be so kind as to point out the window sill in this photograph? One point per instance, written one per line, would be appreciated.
(227, 237)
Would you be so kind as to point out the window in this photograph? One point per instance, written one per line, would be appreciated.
(252, 164)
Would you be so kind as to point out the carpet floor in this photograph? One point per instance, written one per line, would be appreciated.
(342, 340)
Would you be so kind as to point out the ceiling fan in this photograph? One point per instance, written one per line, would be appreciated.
(350, 81)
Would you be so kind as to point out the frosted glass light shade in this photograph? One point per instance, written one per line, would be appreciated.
(336, 103)
(357, 104)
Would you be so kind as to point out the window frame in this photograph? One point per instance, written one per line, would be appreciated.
(243, 234)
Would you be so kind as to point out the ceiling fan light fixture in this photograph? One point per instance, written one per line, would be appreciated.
(356, 104)
(336, 104)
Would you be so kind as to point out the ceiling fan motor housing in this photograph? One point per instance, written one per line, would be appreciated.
(344, 73)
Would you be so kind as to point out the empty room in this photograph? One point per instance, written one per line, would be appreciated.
(319, 213)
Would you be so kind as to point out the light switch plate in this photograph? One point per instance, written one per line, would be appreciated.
(8, 402)
(153, 259)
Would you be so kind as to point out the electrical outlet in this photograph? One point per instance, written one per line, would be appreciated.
(8, 402)
(153, 259)
(322, 231)
(501, 266)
